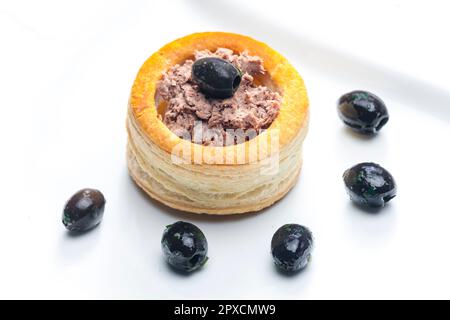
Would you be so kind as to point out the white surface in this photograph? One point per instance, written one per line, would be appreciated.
(66, 70)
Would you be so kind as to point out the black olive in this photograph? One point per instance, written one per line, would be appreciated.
(84, 210)
(369, 185)
(216, 78)
(291, 247)
(363, 111)
(184, 246)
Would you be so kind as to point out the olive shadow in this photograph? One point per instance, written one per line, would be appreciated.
(374, 211)
(78, 234)
(359, 136)
(372, 227)
(181, 273)
(337, 65)
(352, 148)
(73, 246)
(290, 274)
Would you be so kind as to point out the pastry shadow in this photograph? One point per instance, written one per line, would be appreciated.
(335, 64)
(182, 215)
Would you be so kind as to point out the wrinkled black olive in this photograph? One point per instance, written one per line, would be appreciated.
(369, 185)
(216, 78)
(291, 247)
(363, 111)
(184, 246)
(84, 210)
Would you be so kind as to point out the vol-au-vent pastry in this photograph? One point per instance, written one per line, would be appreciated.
(216, 123)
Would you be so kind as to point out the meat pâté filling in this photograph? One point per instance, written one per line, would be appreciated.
(195, 106)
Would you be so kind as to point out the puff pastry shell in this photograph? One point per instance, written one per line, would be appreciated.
(216, 180)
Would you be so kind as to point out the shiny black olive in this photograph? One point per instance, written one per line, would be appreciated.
(369, 185)
(363, 111)
(84, 210)
(216, 78)
(291, 247)
(184, 246)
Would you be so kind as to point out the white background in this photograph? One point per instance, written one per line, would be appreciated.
(66, 69)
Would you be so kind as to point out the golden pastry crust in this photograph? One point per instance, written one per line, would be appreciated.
(215, 185)
(293, 113)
